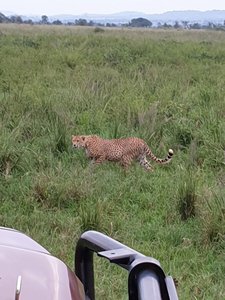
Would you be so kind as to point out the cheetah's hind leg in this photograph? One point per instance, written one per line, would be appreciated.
(145, 164)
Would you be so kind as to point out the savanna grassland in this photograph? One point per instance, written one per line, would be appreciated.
(167, 87)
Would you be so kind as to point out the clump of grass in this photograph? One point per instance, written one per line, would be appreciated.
(184, 137)
(147, 120)
(50, 192)
(187, 196)
(91, 216)
(9, 155)
(7, 163)
(98, 30)
(56, 128)
(213, 219)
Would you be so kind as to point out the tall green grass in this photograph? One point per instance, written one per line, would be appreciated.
(166, 87)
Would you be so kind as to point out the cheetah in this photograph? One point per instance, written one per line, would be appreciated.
(123, 150)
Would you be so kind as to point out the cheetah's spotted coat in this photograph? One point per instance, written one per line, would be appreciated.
(123, 150)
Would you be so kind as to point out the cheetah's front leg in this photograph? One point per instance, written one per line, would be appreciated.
(125, 162)
(98, 160)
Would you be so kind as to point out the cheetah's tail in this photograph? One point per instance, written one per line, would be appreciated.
(159, 160)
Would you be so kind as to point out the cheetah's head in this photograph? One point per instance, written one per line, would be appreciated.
(78, 141)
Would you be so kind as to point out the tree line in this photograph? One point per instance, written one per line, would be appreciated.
(136, 22)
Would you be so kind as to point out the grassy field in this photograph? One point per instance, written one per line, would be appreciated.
(167, 87)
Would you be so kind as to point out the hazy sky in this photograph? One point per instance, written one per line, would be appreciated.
(51, 7)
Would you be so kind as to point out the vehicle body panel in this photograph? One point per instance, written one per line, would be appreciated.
(43, 276)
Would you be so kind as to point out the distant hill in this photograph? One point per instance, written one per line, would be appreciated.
(3, 17)
(170, 17)
(215, 16)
